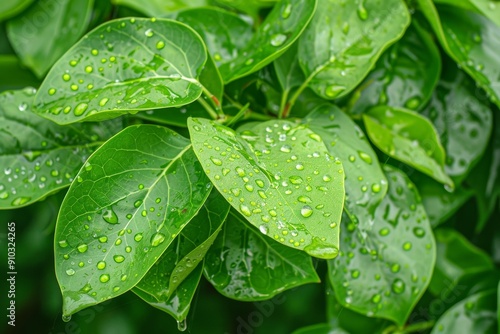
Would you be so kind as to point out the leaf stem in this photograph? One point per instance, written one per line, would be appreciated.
(248, 113)
(208, 108)
(214, 101)
(416, 327)
(282, 113)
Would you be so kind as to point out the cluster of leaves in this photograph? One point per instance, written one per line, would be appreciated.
(226, 139)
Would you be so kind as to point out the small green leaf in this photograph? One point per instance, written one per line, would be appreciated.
(12, 7)
(383, 271)
(353, 35)
(155, 8)
(40, 45)
(39, 157)
(408, 137)
(365, 183)
(288, 70)
(318, 329)
(123, 66)
(280, 176)
(404, 76)
(475, 314)
(180, 301)
(245, 265)
(126, 206)
(187, 250)
(14, 75)
(456, 257)
(468, 38)
(284, 24)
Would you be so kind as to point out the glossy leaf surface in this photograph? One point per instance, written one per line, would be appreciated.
(244, 264)
(122, 66)
(407, 137)
(126, 206)
(284, 24)
(155, 8)
(38, 157)
(384, 270)
(12, 7)
(280, 176)
(353, 35)
(43, 33)
(489, 8)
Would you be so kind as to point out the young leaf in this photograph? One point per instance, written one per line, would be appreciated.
(245, 265)
(47, 30)
(408, 137)
(123, 66)
(180, 301)
(37, 156)
(475, 314)
(187, 250)
(365, 183)
(463, 121)
(383, 271)
(468, 38)
(127, 205)
(353, 35)
(280, 176)
(284, 24)
(404, 76)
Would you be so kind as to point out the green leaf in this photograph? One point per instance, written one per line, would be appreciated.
(15, 76)
(251, 7)
(365, 183)
(224, 33)
(47, 30)
(463, 121)
(288, 70)
(456, 258)
(180, 301)
(127, 205)
(404, 76)
(123, 66)
(155, 8)
(468, 38)
(244, 264)
(319, 329)
(383, 271)
(187, 250)
(12, 7)
(280, 176)
(284, 24)
(488, 8)
(37, 156)
(408, 137)
(475, 314)
(353, 36)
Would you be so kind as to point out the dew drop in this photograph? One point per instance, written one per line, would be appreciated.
(104, 278)
(66, 318)
(103, 239)
(52, 91)
(407, 246)
(362, 12)
(160, 45)
(286, 11)
(245, 210)
(419, 232)
(383, 232)
(80, 109)
(299, 167)
(249, 61)
(101, 265)
(138, 237)
(216, 161)
(110, 216)
(119, 258)
(398, 286)
(82, 248)
(70, 272)
(18, 201)
(182, 325)
(66, 77)
(376, 298)
(306, 211)
(157, 239)
(286, 149)
(103, 102)
(376, 187)
(278, 39)
(333, 91)
(365, 157)
(149, 33)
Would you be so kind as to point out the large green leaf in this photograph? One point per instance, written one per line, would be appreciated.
(353, 35)
(475, 314)
(404, 76)
(179, 303)
(383, 271)
(489, 8)
(155, 8)
(244, 264)
(187, 250)
(408, 137)
(365, 183)
(463, 121)
(123, 66)
(14, 76)
(471, 40)
(131, 199)
(284, 24)
(39, 157)
(12, 7)
(47, 30)
(280, 176)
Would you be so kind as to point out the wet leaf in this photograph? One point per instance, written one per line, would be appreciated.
(404, 76)
(474, 314)
(408, 137)
(463, 121)
(383, 271)
(489, 8)
(187, 250)
(469, 39)
(456, 258)
(280, 176)
(126, 206)
(155, 8)
(365, 183)
(38, 157)
(46, 30)
(244, 264)
(123, 66)
(353, 35)
(12, 7)
(284, 24)
(180, 301)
